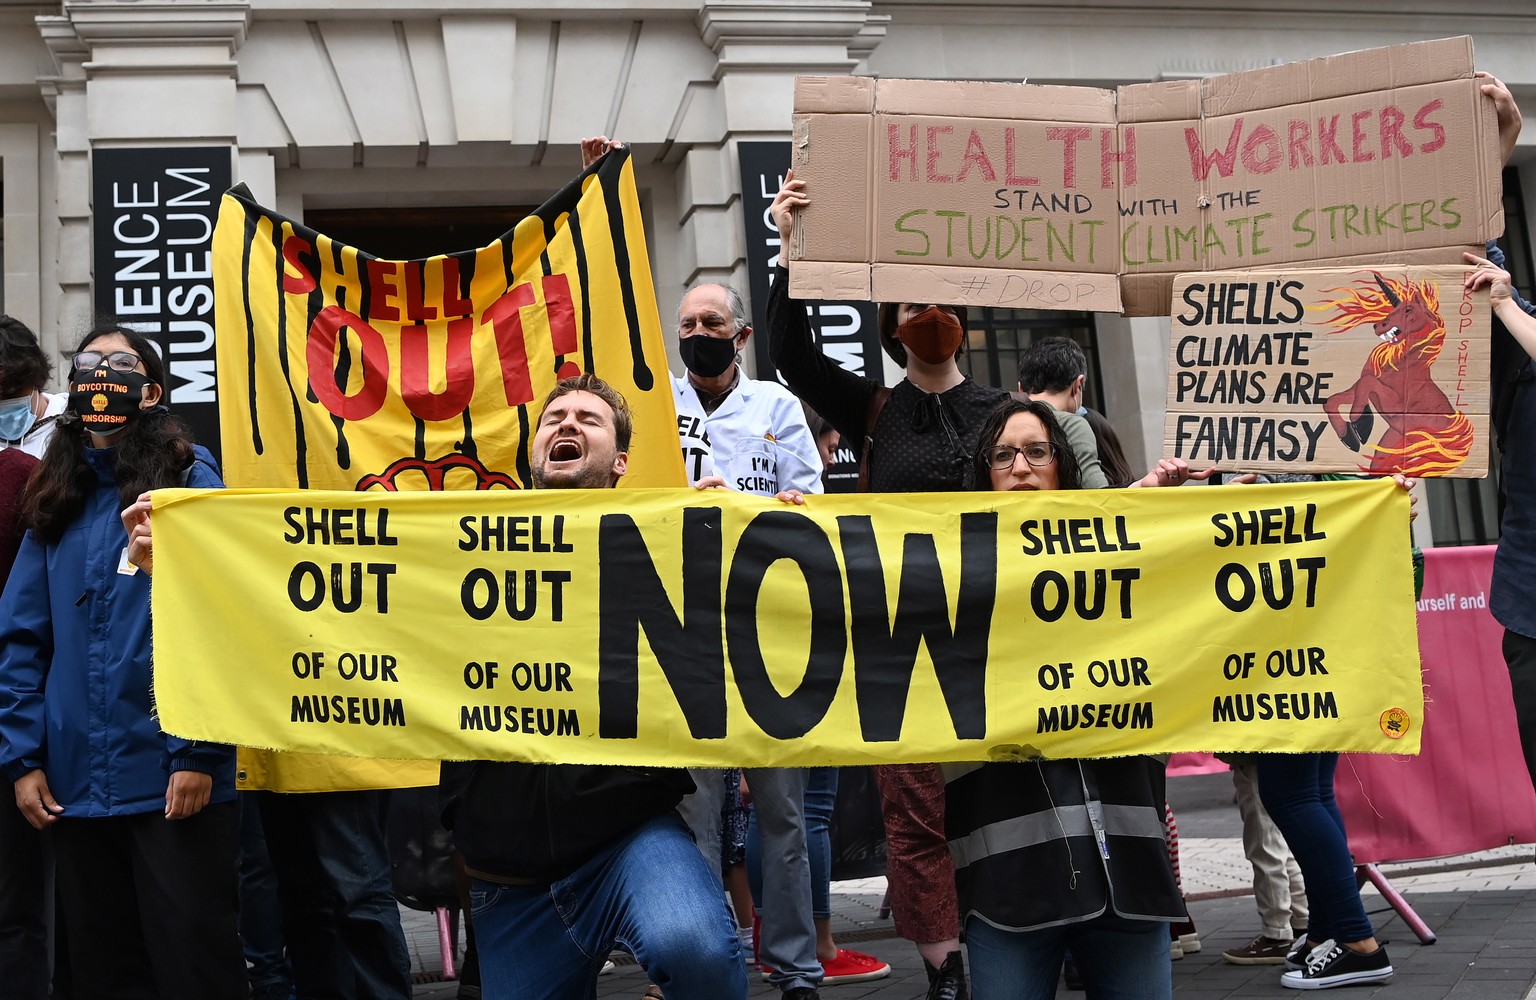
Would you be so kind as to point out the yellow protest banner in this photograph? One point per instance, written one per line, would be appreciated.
(341, 371)
(663, 627)
(338, 370)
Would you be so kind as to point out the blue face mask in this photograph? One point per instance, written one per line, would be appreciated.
(15, 417)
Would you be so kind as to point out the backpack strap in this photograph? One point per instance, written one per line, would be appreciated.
(876, 404)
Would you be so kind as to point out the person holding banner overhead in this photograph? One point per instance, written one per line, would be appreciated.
(144, 824)
(913, 437)
(1513, 598)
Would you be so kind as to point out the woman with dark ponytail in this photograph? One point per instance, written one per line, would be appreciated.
(144, 824)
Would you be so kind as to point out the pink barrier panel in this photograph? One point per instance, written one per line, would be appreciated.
(1469, 790)
(1194, 763)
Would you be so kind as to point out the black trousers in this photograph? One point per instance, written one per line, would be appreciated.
(340, 919)
(150, 905)
(23, 930)
(1520, 657)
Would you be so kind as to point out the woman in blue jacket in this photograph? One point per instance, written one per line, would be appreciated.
(144, 824)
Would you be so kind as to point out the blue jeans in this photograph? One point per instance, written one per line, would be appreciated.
(1119, 959)
(1297, 791)
(650, 893)
(820, 800)
(340, 919)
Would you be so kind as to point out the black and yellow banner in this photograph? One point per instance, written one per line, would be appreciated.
(341, 371)
(338, 370)
(686, 628)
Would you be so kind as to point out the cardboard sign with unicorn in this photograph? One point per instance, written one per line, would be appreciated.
(1372, 370)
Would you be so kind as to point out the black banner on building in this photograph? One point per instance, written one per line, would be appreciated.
(845, 331)
(153, 212)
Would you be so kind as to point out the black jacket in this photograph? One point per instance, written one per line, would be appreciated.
(536, 823)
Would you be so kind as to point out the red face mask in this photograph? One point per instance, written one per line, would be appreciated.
(933, 335)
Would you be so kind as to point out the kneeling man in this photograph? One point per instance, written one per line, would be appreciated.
(567, 860)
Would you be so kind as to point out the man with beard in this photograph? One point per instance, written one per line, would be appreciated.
(568, 861)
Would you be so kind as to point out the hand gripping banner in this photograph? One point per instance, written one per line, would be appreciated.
(341, 371)
(663, 627)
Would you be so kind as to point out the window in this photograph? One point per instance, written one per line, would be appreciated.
(413, 233)
(998, 337)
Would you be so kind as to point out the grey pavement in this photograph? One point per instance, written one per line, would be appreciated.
(1482, 908)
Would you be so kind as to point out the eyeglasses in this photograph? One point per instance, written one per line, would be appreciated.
(118, 361)
(1039, 454)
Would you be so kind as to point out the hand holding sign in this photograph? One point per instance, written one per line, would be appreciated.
(136, 523)
(1506, 109)
(1501, 297)
(791, 198)
(596, 148)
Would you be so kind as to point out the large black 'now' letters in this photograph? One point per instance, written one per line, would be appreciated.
(775, 535)
(631, 597)
(884, 653)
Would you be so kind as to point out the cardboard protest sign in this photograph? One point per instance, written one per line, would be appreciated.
(1367, 370)
(339, 370)
(1048, 197)
(666, 627)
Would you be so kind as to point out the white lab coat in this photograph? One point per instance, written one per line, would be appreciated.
(757, 440)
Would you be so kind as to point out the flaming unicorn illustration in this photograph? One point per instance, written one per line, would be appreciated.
(1425, 435)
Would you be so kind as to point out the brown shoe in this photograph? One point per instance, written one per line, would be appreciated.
(1260, 951)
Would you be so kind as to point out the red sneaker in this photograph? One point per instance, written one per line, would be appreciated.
(853, 967)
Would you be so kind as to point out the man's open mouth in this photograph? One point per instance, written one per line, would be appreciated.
(565, 451)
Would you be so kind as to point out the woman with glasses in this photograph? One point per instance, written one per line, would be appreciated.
(143, 823)
(1088, 869)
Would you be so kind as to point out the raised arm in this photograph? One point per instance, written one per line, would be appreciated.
(840, 396)
(1520, 323)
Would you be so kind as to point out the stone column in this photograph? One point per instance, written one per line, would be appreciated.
(761, 45)
(132, 74)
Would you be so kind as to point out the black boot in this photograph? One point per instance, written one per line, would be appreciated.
(947, 982)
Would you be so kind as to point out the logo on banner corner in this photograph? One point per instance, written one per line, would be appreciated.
(1394, 723)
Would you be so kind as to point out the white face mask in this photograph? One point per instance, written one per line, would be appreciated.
(15, 417)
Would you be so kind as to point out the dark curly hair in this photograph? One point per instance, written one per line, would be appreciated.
(151, 452)
(23, 366)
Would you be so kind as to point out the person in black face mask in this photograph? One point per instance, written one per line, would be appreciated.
(144, 824)
(750, 436)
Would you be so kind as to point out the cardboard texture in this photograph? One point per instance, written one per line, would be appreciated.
(1358, 370)
(988, 193)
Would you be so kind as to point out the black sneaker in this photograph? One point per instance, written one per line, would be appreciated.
(801, 993)
(1296, 957)
(1331, 964)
